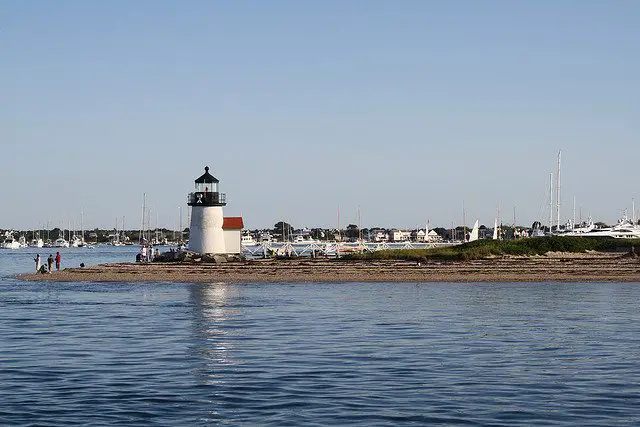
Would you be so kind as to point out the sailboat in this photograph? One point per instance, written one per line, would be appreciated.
(474, 232)
(36, 242)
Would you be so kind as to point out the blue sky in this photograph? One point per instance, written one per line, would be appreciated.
(405, 110)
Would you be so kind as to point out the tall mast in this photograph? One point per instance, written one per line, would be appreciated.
(633, 211)
(464, 223)
(189, 218)
(148, 225)
(550, 201)
(574, 212)
(141, 233)
(558, 190)
(359, 227)
(181, 229)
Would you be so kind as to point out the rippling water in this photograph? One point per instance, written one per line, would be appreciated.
(317, 354)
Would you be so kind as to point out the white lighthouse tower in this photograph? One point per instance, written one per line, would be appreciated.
(205, 230)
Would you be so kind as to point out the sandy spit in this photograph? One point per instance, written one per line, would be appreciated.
(558, 268)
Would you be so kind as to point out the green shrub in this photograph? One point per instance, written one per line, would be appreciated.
(481, 249)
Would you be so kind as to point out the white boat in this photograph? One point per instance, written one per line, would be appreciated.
(22, 242)
(10, 243)
(60, 243)
(572, 230)
(36, 243)
(75, 242)
(624, 229)
(247, 240)
(303, 240)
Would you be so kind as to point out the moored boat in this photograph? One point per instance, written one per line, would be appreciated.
(10, 243)
(60, 243)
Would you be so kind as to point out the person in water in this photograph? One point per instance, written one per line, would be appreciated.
(58, 259)
(37, 260)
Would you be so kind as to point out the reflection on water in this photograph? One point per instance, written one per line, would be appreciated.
(211, 310)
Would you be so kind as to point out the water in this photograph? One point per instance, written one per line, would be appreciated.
(316, 354)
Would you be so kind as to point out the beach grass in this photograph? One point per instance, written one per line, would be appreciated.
(483, 249)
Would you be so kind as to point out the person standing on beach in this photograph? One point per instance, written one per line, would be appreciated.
(50, 263)
(58, 258)
(37, 260)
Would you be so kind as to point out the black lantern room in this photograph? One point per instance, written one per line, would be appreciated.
(206, 193)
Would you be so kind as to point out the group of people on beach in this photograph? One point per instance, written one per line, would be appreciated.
(147, 253)
(49, 267)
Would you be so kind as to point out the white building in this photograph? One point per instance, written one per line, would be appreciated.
(209, 231)
(400, 235)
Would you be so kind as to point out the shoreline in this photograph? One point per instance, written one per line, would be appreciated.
(553, 267)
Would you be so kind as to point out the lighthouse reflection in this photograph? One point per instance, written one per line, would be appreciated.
(214, 312)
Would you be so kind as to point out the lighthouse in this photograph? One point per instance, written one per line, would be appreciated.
(206, 235)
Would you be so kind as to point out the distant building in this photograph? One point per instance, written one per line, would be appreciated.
(378, 235)
(400, 235)
(433, 237)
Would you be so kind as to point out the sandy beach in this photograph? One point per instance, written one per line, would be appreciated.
(561, 267)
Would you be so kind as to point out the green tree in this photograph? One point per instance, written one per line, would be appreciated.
(319, 233)
(282, 229)
(352, 232)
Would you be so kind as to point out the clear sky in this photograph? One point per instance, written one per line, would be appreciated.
(405, 110)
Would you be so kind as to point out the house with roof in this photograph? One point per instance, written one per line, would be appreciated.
(232, 230)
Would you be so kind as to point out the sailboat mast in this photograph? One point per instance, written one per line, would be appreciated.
(189, 218)
(359, 227)
(550, 201)
(499, 220)
(144, 201)
(464, 223)
(558, 191)
(148, 225)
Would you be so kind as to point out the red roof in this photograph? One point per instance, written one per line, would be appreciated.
(233, 223)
